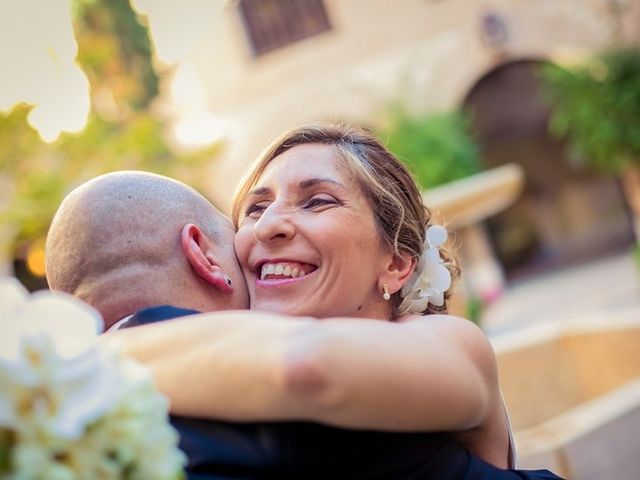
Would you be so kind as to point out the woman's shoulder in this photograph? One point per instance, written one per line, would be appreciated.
(446, 324)
(460, 333)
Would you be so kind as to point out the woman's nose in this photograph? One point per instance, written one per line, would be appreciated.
(274, 224)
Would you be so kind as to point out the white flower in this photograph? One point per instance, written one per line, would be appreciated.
(71, 324)
(430, 279)
(50, 365)
(71, 407)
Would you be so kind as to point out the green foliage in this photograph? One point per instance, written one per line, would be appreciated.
(596, 107)
(636, 254)
(474, 309)
(437, 148)
(115, 52)
(41, 174)
(7, 441)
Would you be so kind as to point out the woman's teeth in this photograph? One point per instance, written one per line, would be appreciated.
(281, 270)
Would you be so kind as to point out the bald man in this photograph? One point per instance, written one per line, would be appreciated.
(140, 248)
(129, 240)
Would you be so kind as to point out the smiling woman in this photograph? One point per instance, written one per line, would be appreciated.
(331, 226)
(351, 211)
(301, 218)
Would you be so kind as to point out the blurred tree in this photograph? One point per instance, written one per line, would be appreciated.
(114, 50)
(121, 133)
(596, 108)
(437, 148)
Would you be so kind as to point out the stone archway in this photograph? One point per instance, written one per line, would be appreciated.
(564, 215)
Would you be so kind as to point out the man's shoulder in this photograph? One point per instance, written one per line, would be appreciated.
(156, 313)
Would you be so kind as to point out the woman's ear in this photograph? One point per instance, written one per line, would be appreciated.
(198, 249)
(397, 272)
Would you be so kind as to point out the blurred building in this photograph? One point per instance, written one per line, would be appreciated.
(263, 66)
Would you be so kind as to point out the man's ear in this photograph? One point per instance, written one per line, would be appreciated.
(397, 271)
(198, 249)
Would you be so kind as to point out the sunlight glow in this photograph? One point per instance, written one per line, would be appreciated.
(177, 28)
(195, 125)
(199, 130)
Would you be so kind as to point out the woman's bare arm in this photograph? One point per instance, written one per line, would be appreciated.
(431, 373)
(226, 365)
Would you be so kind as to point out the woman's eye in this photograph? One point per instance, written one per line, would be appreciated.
(254, 210)
(319, 202)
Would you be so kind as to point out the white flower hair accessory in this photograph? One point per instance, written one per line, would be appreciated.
(430, 279)
(72, 407)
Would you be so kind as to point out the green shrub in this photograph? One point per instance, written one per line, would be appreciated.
(437, 148)
(596, 108)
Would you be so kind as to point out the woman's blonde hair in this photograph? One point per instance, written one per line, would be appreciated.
(400, 216)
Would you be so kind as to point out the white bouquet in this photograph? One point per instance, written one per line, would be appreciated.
(72, 408)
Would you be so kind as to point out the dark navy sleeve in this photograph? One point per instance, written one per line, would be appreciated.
(155, 314)
(477, 469)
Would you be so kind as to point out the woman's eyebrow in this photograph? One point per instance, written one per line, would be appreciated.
(311, 182)
(304, 184)
(258, 191)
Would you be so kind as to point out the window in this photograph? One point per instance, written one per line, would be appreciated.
(271, 24)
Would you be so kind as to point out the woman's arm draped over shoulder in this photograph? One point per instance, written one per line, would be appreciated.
(430, 373)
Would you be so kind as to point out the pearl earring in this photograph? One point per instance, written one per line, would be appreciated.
(386, 295)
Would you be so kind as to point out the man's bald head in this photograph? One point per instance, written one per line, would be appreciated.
(116, 243)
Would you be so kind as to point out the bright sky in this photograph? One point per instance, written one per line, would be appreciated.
(37, 52)
(177, 26)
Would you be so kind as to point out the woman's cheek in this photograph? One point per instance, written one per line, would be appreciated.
(241, 247)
